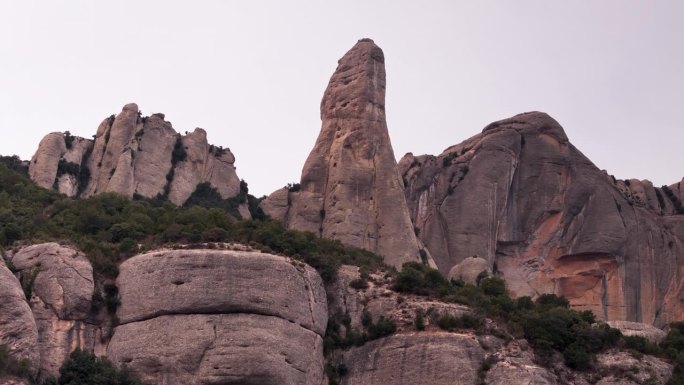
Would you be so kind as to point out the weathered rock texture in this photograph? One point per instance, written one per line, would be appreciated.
(209, 316)
(134, 155)
(62, 289)
(416, 358)
(350, 188)
(521, 196)
(647, 331)
(18, 331)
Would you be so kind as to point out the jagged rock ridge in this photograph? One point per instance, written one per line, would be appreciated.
(350, 188)
(521, 196)
(134, 156)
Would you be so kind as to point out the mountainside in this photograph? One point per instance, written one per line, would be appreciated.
(134, 156)
(535, 248)
(350, 187)
(522, 197)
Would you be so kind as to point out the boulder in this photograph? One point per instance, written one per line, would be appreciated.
(415, 358)
(220, 316)
(219, 349)
(61, 279)
(470, 270)
(350, 189)
(649, 332)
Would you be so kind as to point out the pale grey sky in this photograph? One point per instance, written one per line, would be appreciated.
(252, 73)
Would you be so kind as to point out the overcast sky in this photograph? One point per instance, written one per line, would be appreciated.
(252, 73)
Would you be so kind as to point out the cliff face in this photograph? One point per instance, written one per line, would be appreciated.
(134, 155)
(522, 197)
(350, 188)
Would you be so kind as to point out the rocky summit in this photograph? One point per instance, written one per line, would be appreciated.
(134, 156)
(350, 187)
(520, 196)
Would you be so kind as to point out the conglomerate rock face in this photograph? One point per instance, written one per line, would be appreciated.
(18, 331)
(350, 189)
(209, 316)
(522, 197)
(61, 281)
(134, 155)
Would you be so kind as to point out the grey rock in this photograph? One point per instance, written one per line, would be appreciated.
(60, 302)
(219, 349)
(221, 281)
(470, 269)
(18, 331)
(522, 197)
(134, 156)
(416, 358)
(350, 189)
(647, 331)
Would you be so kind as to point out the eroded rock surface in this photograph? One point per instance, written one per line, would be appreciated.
(647, 331)
(210, 316)
(416, 358)
(134, 155)
(350, 188)
(18, 331)
(522, 197)
(61, 279)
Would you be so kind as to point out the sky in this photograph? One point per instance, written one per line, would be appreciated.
(252, 73)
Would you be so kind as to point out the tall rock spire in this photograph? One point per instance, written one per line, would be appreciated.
(350, 187)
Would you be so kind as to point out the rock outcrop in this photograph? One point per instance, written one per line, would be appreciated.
(522, 197)
(649, 332)
(350, 188)
(134, 156)
(209, 316)
(417, 358)
(61, 287)
(18, 331)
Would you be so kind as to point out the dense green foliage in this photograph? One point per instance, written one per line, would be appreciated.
(109, 228)
(548, 324)
(84, 368)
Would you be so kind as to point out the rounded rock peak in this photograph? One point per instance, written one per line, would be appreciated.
(366, 40)
(130, 107)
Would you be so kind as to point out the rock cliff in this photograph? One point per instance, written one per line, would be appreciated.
(350, 188)
(522, 197)
(203, 316)
(134, 156)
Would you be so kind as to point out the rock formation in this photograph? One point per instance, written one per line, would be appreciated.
(18, 331)
(350, 188)
(419, 358)
(134, 155)
(521, 196)
(203, 316)
(61, 287)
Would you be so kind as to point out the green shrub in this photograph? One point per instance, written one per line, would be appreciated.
(84, 368)
(419, 321)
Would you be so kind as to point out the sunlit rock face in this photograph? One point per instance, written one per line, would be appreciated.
(350, 189)
(134, 156)
(208, 316)
(522, 197)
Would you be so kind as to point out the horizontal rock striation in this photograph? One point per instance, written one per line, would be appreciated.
(134, 156)
(522, 197)
(350, 189)
(209, 316)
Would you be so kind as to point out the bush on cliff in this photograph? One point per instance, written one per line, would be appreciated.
(84, 368)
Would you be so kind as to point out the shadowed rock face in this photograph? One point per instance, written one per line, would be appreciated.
(132, 155)
(18, 331)
(350, 188)
(522, 197)
(62, 291)
(207, 316)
